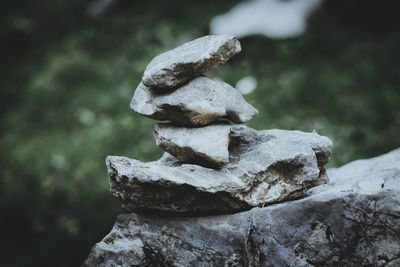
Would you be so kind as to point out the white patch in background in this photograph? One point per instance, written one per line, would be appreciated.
(58, 161)
(273, 18)
(98, 7)
(86, 116)
(246, 85)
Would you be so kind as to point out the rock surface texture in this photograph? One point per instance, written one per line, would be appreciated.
(199, 102)
(352, 221)
(264, 167)
(178, 66)
(206, 146)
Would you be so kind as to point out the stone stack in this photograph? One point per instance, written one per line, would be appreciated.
(200, 109)
(212, 164)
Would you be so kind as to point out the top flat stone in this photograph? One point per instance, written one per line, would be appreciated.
(178, 66)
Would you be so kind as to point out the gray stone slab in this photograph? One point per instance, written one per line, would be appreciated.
(206, 146)
(178, 66)
(352, 221)
(200, 102)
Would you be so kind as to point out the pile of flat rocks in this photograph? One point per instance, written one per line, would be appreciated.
(212, 164)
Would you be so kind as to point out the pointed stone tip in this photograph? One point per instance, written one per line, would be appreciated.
(108, 163)
(249, 114)
(135, 106)
(237, 45)
(137, 95)
(255, 112)
(141, 101)
(111, 159)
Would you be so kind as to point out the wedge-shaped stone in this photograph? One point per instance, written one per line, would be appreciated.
(199, 102)
(264, 167)
(352, 221)
(206, 146)
(178, 66)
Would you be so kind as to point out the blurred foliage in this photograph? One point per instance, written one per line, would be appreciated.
(67, 79)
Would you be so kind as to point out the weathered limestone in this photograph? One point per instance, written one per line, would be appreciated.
(205, 146)
(264, 167)
(178, 66)
(200, 102)
(352, 221)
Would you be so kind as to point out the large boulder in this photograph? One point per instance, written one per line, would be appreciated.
(199, 102)
(178, 66)
(206, 146)
(352, 221)
(265, 167)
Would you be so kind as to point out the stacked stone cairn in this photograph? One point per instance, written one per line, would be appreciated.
(224, 194)
(212, 164)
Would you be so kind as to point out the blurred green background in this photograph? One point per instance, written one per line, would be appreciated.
(67, 79)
